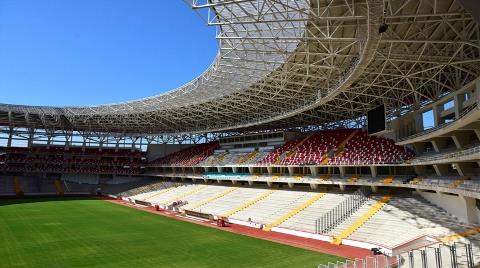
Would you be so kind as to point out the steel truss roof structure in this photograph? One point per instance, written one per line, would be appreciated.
(295, 63)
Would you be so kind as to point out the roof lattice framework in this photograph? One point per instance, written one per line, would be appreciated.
(284, 63)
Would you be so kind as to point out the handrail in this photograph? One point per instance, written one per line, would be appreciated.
(441, 156)
(342, 211)
(433, 129)
(419, 257)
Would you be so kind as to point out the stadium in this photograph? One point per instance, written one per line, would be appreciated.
(305, 143)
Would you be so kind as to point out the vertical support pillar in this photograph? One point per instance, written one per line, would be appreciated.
(10, 136)
(471, 214)
(100, 144)
(49, 139)
(419, 123)
(134, 141)
(342, 171)
(313, 171)
(139, 145)
(437, 114)
(459, 168)
(477, 92)
(420, 170)
(477, 132)
(373, 170)
(458, 101)
(419, 147)
(31, 133)
(441, 169)
(460, 139)
(439, 143)
(290, 171)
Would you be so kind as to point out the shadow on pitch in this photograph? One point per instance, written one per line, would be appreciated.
(14, 200)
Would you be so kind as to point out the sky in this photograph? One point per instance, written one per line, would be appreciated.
(87, 52)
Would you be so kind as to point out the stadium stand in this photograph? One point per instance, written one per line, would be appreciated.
(278, 132)
(276, 155)
(412, 217)
(233, 158)
(187, 157)
(315, 149)
(364, 149)
(305, 220)
(332, 147)
(71, 160)
(235, 202)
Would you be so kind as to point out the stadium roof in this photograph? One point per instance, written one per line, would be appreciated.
(285, 63)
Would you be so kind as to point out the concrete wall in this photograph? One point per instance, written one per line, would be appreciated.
(462, 207)
(160, 150)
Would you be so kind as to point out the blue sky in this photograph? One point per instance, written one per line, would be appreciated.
(66, 52)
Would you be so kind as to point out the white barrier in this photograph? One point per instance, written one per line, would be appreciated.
(246, 223)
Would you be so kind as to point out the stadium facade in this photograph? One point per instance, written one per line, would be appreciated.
(281, 114)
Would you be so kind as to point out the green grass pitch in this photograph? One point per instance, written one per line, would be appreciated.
(70, 233)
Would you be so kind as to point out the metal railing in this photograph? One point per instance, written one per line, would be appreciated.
(342, 211)
(456, 255)
(440, 156)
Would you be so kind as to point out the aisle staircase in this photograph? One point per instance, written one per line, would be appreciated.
(155, 194)
(417, 180)
(292, 151)
(274, 177)
(249, 203)
(324, 177)
(58, 187)
(293, 212)
(18, 186)
(325, 159)
(345, 141)
(213, 198)
(247, 157)
(463, 234)
(183, 195)
(217, 159)
(353, 178)
(388, 179)
(458, 182)
(362, 220)
(339, 149)
(298, 177)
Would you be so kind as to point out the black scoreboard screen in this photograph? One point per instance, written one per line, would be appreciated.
(376, 119)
